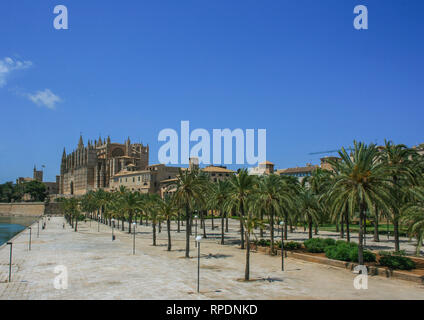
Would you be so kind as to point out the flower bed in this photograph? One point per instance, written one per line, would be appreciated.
(345, 255)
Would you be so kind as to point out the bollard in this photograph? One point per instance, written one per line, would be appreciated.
(10, 261)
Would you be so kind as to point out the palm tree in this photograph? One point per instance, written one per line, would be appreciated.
(270, 195)
(250, 222)
(189, 187)
(218, 197)
(413, 216)
(240, 188)
(130, 203)
(88, 203)
(362, 182)
(167, 210)
(397, 160)
(71, 207)
(152, 207)
(309, 208)
(288, 208)
(101, 199)
(318, 184)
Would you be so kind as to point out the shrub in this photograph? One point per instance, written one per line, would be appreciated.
(368, 255)
(317, 245)
(338, 252)
(346, 251)
(262, 242)
(396, 262)
(291, 245)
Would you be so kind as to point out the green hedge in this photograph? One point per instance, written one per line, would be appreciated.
(396, 261)
(317, 245)
(346, 251)
(290, 245)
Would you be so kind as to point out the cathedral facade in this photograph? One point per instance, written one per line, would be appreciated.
(91, 167)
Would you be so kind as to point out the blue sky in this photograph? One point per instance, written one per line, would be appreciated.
(131, 68)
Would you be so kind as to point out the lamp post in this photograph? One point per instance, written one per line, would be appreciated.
(113, 225)
(282, 245)
(134, 224)
(29, 239)
(98, 224)
(195, 232)
(198, 239)
(38, 228)
(10, 261)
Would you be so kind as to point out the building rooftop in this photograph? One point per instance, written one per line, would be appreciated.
(217, 169)
(297, 169)
(130, 173)
(267, 162)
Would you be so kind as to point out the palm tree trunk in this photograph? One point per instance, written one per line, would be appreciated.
(376, 236)
(76, 224)
(247, 267)
(187, 252)
(123, 226)
(271, 222)
(341, 228)
(129, 222)
(347, 225)
(226, 222)
(204, 228)
(154, 232)
(310, 227)
(316, 229)
(242, 233)
(396, 234)
(168, 227)
(286, 222)
(213, 226)
(178, 221)
(360, 240)
(222, 225)
(160, 226)
(261, 230)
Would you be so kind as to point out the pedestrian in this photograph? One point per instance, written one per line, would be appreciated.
(64, 225)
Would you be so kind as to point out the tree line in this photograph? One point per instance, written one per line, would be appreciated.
(10, 192)
(368, 184)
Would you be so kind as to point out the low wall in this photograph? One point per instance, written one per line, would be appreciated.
(53, 209)
(22, 209)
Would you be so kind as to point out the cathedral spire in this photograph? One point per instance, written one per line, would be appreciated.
(80, 143)
(64, 153)
(108, 139)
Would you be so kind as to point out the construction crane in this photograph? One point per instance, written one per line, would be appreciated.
(330, 151)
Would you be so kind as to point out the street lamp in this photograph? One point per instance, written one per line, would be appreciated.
(38, 228)
(29, 239)
(113, 224)
(282, 245)
(98, 224)
(134, 224)
(198, 239)
(195, 232)
(10, 260)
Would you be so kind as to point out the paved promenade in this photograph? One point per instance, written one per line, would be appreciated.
(101, 269)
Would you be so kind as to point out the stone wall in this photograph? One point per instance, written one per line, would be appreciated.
(29, 209)
(22, 209)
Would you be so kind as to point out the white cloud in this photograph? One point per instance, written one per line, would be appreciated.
(45, 98)
(8, 65)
